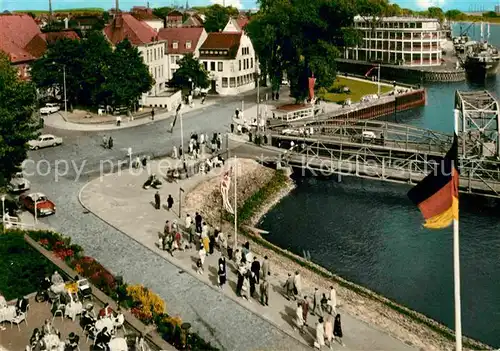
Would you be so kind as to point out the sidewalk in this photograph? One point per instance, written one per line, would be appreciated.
(57, 120)
(120, 201)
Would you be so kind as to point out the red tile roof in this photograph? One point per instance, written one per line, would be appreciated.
(126, 26)
(181, 35)
(145, 16)
(193, 21)
(174, 13)
(37, 46)
(242, 22)
(222, 40)
(16, 32)
(51, 37)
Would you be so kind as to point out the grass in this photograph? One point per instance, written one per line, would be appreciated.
(358, 89)
(21, 267)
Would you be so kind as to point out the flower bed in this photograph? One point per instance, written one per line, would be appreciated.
(143, 303)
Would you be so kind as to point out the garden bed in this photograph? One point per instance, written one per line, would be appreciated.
(357, 89)
(145, 305)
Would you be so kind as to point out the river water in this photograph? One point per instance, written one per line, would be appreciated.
(370, 233)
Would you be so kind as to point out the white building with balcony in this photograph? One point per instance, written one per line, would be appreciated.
(406, 41)
(230, 60)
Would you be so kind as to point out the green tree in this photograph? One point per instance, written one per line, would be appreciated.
(217, 16)
(436, 12)
(190, 74)
(162, 12)
(17, 103)
(455, 15)
(127, 78)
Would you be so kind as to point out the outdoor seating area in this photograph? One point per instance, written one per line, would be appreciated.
(53, 321)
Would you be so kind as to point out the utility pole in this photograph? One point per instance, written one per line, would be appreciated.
(65, 98)
(50, 11)
(378, 87)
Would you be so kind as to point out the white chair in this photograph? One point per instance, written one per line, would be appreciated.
(59, 310)
(18, 320)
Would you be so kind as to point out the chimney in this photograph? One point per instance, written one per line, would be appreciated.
(117, 8)
(66, 21)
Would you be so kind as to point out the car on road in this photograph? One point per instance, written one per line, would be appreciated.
(44, 140)
(44, 207)
(49, 108)
(18, 183)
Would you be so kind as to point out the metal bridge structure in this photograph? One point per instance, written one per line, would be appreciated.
(399, 153)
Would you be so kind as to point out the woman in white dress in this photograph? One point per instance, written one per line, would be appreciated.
(320, 334)
(299, 317)
(329, 329)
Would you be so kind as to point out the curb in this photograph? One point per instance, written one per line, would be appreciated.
(189, 271)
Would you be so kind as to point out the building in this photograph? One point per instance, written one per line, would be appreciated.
(497, 9)
(23, 42)
(193, 21)
(236, 24)
(145, 14)
(407, 41)
(179, 42)
(230, 59)
(174, 19)
(146, 39)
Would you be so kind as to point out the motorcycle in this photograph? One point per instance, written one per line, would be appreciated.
(152, 182)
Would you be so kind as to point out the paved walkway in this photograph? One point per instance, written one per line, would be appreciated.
(120, 201)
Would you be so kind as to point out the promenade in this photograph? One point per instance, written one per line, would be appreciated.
(120, 201)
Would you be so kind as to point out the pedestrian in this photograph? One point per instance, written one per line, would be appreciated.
(337, 329)
(202, 138)
(265, 267)
(252, 280)
(167, 228)
(289, 287)
(177, 241)
(153, 113)
(198, 220)
(222, 272)
(188, 222)
(299, 320)
(256, 269)
(237, 113)
(170, 202)
(245, 288)
(218, 141)
(264, 291)
(332, 302)
(305, 309)
(324, 303)
(237, 256)
(202, 254)
(241, 277)
(205, 241)
(157, 200)
(174, 152)
(329, 329)
(320, 334)
(110, 142)
(317, 310)
(211, 244)
(297, 283)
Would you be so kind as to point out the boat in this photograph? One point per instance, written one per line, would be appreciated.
(481, 59)
(459, 43)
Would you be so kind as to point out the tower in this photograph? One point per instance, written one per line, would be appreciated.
(117, 7)
(50, 9)
(187, 5)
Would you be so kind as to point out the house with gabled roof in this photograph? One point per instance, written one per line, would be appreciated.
(236, 24)
(150, 45)
(193, 21)
(230, 59)
(145, 14)
(179, 42)
(23, 42)
(174, 19)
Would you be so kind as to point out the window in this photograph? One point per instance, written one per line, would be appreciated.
(175, 45)
(244, 64)
(238, 81)
(188, 44)
(205, 65)
(161, 52)
(177, 59)
(239, 64)
(251, 62)
(154, 50)
(232, 82)
(212, 66)
(172, 59)
(220, 66)
(224, 82)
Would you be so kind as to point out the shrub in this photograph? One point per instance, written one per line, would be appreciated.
(98, 275)
(148, 305)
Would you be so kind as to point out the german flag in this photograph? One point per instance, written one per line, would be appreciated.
(437, 194)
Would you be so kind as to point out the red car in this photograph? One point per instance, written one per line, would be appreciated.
(44, 206)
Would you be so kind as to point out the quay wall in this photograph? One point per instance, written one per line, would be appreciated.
(418, 75)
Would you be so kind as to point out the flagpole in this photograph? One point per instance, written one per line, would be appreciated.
(378, 80)
(235, 206)
(456, 268)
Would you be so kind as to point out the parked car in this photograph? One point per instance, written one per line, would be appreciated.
(18, 183)
(49, 108)
(44, 140)
(44, 207)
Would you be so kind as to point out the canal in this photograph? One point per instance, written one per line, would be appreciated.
(369, 232)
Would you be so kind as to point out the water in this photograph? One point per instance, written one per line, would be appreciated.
(370, 233)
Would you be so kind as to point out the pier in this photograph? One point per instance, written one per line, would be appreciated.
(329, 145)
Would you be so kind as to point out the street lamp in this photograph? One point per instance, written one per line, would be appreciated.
(64, 86)
(3, 213)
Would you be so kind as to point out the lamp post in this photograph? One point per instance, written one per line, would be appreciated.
(64, 87)
(36, 210)
(3, 213)
(180, 202)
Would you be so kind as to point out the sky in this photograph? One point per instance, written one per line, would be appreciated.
(464, 5)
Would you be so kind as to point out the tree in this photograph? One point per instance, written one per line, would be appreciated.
(217, 16)
(455, 15)
(436, 12)
(17, 103)
(162, 12)
(190, 68)
(127, 77)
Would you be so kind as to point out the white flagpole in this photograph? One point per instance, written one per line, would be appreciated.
(235, 206)
(456, 270)
(378, 80)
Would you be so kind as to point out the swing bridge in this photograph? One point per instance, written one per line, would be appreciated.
(394, 152)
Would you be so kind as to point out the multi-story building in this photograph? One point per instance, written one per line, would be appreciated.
(179, 42)
(230, 60)
(174, 19)
(398, 40)
(145, 14)
(152, 48)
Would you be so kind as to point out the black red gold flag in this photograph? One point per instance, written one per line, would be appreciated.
(437, 194)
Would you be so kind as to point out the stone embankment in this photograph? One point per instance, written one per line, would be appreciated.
(398, 321)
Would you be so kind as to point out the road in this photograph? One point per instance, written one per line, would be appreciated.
(60, 172)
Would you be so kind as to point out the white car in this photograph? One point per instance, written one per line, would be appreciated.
(44, 140)
(18, 183)
(49, 108)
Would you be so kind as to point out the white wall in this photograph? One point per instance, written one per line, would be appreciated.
(172, 59)
(155, 58)
(155, 24)
(169, 102)
(231, 26)
(233, 79)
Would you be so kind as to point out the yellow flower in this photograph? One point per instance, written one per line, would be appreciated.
(149, 301)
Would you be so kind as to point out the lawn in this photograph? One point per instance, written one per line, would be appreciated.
(21, 267)
(358, 89)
